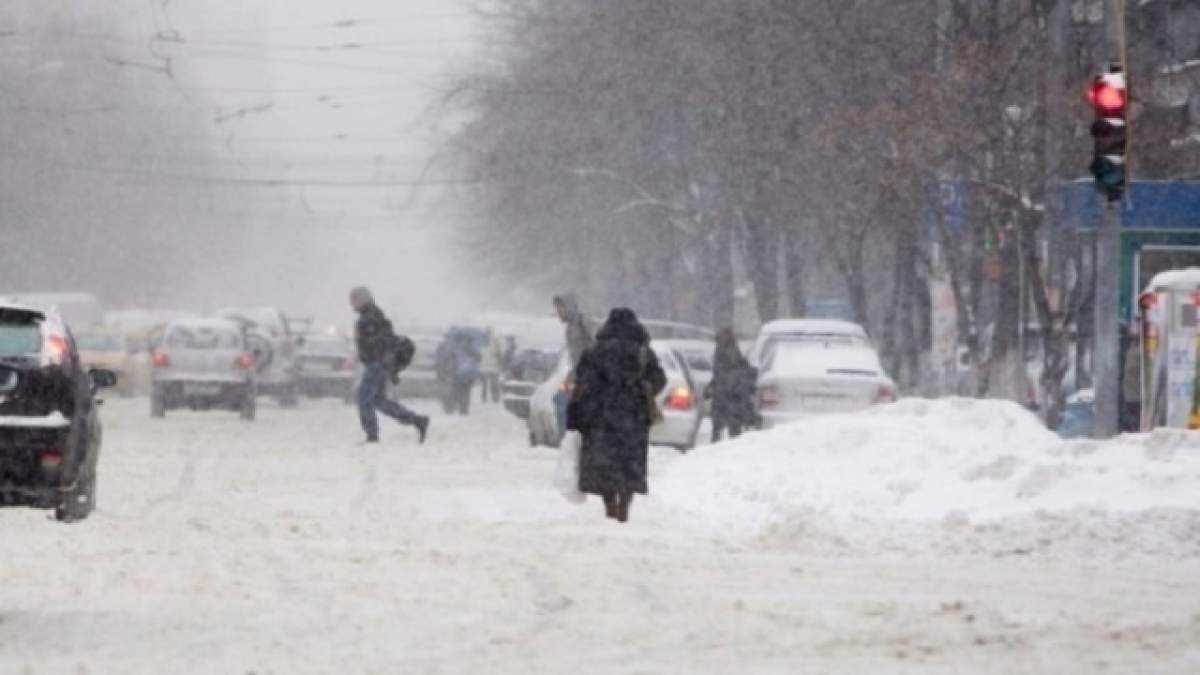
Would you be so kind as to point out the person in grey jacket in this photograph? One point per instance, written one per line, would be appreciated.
(580, 335)
(580, 329)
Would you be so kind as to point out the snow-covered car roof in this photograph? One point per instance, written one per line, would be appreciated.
(690, 345)
(13, 306)
(1186, 279)
(215, 323)
(815, 326)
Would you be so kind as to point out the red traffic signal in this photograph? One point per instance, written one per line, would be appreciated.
(1109, 94)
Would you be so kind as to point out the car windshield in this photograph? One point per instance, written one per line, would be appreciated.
(818, 341)
(20, 338)
(698, 360)
(202, 337)
(100, 343)
(842, 361)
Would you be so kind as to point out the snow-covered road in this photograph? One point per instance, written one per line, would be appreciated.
(283, 547)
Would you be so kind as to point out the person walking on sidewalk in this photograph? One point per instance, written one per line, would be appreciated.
(373, 335)
(612, 407)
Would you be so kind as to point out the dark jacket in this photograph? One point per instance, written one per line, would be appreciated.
(372, 334)
(610, 406)
(733, 385)
(457, 360)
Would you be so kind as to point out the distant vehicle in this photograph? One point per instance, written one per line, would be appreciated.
(328, 366)
(419, 379)
(530, 368)
(50, 432)
(679, 401)
(125, 354)
(76, 309)
(811, 330)
(834, 373)
(278, 374)
(204, 364)
(698, 354)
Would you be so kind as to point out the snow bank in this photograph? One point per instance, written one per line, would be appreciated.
(953, 462)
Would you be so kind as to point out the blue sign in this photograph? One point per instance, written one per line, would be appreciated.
(1149, 205)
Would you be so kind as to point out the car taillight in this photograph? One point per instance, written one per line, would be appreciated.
(56, 349)
(681, 398)
(568, 385)
(885, 394)
(160, 359)
(768, 396)
(244, 362)
(51, 459)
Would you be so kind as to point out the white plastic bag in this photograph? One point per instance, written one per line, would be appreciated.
(566, 473)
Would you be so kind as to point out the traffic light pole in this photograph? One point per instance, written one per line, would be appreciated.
(1106, 338)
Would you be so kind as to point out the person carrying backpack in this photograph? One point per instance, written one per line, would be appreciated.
(382, 354)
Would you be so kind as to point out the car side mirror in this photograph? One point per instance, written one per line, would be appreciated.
(102, 379)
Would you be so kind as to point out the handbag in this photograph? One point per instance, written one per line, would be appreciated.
(654, 412)
(566, 472)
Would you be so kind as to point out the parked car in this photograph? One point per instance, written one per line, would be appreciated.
(530, 367)
(113, 349)
(679, 401)
(808, 376)
(50, 432)
(204, 364)
(328, 366)
(278, 373)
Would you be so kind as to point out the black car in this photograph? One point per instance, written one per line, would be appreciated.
(49, 426)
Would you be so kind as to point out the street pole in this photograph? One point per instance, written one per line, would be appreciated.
(1107, 339)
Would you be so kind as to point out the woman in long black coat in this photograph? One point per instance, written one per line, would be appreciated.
(732, 388)
(615, 383)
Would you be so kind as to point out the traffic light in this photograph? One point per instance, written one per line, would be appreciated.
(1110, 97)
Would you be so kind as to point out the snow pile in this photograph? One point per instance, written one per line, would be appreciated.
(960, 464)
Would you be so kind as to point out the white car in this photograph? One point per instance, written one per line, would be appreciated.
(203, 364)
(679, 401)
(803, 377)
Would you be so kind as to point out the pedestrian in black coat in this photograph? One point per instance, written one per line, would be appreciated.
(615, 384)
(732, 388)
(372, 334)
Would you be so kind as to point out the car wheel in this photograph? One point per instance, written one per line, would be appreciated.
(78, 504)
(158, 403)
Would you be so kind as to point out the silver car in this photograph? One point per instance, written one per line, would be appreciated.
(328, 366)
(275, 347)
(203, 364)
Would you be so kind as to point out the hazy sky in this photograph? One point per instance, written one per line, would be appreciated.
(317, 92)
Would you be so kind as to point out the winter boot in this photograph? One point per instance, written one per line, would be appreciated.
(422, 425)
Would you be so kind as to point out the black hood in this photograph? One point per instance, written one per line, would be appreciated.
(623, 324)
